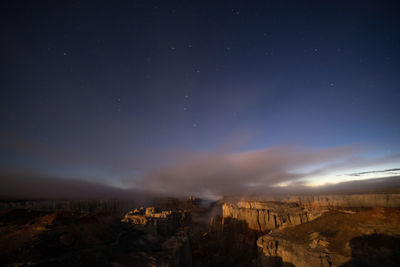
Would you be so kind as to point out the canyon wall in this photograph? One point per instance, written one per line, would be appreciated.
(276, 212)
(278, 251)
(266, 216)
(334, 201)
(316, 230)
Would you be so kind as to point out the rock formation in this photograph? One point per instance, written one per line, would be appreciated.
(317, 230)
(327, 241)
(325, 230)
(265, 216)
(330, 201)
(157, 222)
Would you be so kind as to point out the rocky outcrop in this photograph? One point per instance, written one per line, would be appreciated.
(266, 216)
(157, 222)
(277, 251)
(314, 230)
(273, 212)
(346, 201)
(332, 201)
(331, 240)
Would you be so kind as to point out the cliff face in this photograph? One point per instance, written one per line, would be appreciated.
(279, 212)
(266, 216)
(277, 251)
(338, 201)
(320, 230)
(328, 201)
(365, 238)
(157, 222)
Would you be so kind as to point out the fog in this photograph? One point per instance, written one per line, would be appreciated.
(23, 185)
(253, 172)
(210, 174)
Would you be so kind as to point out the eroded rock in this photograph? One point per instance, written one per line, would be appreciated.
(329, 240)
(157, 222)
(266, 216)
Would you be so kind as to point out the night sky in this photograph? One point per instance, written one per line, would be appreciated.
(200, 97)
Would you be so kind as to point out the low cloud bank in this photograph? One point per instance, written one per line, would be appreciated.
(216, 174)
(22, 185)
(395, 171)
(212, 174)
(259, 171)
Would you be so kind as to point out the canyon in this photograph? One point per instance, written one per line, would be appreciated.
(303, 230)
(322, 230)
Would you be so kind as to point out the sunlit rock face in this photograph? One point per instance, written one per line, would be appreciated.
(265, 216)
(321, 230)
(157, 222)
(277, 251)
(338, 201)
(278, 212)
(337, 238)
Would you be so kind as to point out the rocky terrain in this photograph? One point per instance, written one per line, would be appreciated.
(336, 238)
(323, 230)
(265, 216)
(157, 222)
(142, 237)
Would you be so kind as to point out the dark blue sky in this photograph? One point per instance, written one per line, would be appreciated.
(107, 89)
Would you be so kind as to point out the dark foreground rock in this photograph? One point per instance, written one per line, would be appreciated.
(332, 230)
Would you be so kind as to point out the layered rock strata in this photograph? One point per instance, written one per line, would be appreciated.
(321, 230)
(330, 201)
(365, 238)
(266, 216)
(157, 222)
(277, 251)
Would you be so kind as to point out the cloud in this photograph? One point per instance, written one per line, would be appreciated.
(28, 185)
(386, 184)
(380, 172)
(207, 173)
(215, 174)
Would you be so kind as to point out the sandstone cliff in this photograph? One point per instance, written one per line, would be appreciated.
(277, 251)
(318, 230)
(335, 201)
(326, 201)
(155, 221)
(265, 216)
(282, 211)
(334, 239)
